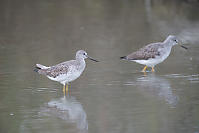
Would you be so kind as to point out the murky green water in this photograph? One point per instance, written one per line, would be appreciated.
(111, 96)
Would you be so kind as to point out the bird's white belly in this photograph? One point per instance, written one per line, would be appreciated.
(154, 61)
(149, 62)
(66, 78)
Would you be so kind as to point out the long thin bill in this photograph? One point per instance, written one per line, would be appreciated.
(92, 59)
(183, 47)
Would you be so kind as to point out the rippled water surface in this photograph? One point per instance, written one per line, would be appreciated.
(111, 96)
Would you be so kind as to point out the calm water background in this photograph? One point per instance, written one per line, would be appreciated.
(111, 96)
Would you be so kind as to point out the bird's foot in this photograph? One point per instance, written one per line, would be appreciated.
(144, 69)
(152, 70)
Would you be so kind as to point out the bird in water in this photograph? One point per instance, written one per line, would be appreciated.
(154, 53)
(65, 72)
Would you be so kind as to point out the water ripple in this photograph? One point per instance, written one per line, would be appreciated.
(194, 78)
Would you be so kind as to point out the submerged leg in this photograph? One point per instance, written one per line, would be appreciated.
(153, 70)
(64, 89)
(144, 69)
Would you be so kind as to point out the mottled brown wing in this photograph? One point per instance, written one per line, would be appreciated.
(55, 71)
(149, 51)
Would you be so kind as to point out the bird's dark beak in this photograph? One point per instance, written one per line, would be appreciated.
(180, 43)
(183, 47)
(92, 59)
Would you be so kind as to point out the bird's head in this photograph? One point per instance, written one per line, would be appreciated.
(82, 54)
(173, 40)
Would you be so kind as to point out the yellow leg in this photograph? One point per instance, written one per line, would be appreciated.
(153, 70)
(63, 88)
(144, 69)
(66, 88)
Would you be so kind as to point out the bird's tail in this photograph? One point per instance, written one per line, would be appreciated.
(37, 69)
(123, 58)
(40, 68)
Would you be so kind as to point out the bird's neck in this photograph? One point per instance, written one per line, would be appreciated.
(80, 60)
(167, 40)
(167, 43)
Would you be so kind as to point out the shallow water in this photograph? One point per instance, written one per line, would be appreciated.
(111, 96)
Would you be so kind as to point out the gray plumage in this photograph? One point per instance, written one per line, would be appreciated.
(65, 72)
(154, 53)
(149, 51)
(59, 69)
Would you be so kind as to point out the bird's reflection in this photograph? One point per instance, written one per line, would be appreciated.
(158, 86)
(70, 110)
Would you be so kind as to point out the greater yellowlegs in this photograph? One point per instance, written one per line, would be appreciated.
(65, 72)
(154, 53)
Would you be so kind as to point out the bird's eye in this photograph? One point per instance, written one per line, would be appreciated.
(84, 53)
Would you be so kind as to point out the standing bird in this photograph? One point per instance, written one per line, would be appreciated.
(65, 72)
(154, 53)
